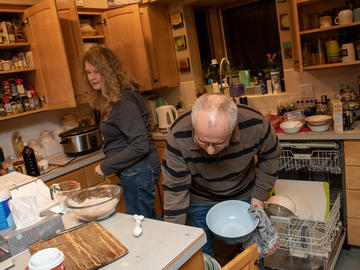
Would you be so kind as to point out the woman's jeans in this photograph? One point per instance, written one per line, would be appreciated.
(139, 188)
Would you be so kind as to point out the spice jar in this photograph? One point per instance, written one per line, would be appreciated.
(7, 105)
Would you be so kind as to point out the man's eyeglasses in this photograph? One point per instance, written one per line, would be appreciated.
(215, 145)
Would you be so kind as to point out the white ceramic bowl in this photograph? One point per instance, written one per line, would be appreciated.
(291, 126)
(320, 128)
(281, 205)
(231, 222)
(318, 120)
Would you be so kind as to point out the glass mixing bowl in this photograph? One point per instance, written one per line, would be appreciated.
(94, 203)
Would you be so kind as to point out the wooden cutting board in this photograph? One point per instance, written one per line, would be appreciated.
(89, 247)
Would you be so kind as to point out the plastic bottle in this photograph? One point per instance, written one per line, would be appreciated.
(30, 161)
(6, 219)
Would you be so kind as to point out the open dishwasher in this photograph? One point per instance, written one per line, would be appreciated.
(307, 243)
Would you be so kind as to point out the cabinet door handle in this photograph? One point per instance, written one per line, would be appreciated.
(102, 22)
(156, 80)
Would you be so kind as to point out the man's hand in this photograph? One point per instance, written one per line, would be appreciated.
(98, 171)
(256, 203)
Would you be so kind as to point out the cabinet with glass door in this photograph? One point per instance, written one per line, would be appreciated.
(320, 31)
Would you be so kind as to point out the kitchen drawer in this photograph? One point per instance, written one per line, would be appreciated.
(352, 176)
(352, 152)
(353, 228)
(77, 175)
(353, 203)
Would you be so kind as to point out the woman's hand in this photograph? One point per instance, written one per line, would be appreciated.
(256, 203)
(98, 171)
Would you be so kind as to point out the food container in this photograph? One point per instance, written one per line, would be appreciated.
(94, 203)
(47, 259)
(81, 140)
(320, 128)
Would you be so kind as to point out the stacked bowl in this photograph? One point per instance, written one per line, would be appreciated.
(319, 123)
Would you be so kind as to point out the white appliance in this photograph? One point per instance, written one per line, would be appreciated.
(166, 115)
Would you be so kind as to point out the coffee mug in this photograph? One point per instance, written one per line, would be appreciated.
(345, 16)
(347, 52)
(356, 14)
(325, 21)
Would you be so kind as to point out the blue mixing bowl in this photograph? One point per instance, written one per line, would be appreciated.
(230, 221)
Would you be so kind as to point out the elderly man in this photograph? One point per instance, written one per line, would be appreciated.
(209, 158)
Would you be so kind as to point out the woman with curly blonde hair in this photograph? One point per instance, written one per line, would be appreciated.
(128, 145)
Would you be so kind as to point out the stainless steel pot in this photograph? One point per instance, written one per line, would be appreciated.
(81, 140)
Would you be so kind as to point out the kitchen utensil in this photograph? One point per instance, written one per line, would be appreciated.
(231, 222)
(320, 128)
(281, 205)
(166, 115)
(61, 191)
(94, 203)
(101, 247)
(318, 120)
(210, 263)
(81, 140)
(345, 16)
(347, 52)
(291, 126)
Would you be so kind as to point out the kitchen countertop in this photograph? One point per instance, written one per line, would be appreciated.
(85, 160)
(353, 134)
(162, 245)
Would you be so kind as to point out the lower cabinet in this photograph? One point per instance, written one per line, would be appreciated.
(352, 176)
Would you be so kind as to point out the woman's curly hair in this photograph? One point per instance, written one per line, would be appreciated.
(115, 79)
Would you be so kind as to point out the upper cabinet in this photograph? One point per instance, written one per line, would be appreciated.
(47, 67)
(317, 36)
(139, 34)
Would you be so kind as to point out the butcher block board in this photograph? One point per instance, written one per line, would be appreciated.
(88, 247)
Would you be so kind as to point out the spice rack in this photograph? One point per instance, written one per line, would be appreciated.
(299, 10)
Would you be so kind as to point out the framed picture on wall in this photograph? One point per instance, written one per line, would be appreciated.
(180, 42)
(184, 65)
(177, 20)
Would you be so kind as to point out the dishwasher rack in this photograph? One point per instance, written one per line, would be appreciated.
(326, 158)
(306, 237)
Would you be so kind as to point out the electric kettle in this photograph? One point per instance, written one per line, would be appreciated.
(166, 115)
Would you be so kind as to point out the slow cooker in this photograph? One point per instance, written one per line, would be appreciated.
(81, 140)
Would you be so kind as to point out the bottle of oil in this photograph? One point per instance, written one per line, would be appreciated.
(30, 161)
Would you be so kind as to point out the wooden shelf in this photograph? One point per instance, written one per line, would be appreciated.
(334, 27)
(17, 70)
(93, 37)
(332, 65)
(22, 114)
(14, 45)
(89, 13)
(305, 2)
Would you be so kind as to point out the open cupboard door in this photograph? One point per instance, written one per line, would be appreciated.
(127, 41)
(47, 46)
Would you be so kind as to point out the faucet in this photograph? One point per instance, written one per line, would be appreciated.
(228, 70)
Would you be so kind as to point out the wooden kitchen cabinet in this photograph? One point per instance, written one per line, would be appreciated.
(139, 34)
(352, 183)
(299, 9)
(50, 76)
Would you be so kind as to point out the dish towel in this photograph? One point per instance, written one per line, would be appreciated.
(264, 235)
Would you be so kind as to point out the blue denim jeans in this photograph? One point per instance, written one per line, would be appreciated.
(197, 218)
(139, 188)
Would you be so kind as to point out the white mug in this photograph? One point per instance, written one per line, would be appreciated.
(345, 16)
(325, 21)
(347, 52)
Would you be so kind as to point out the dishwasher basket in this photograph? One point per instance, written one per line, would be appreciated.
(308, 237)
